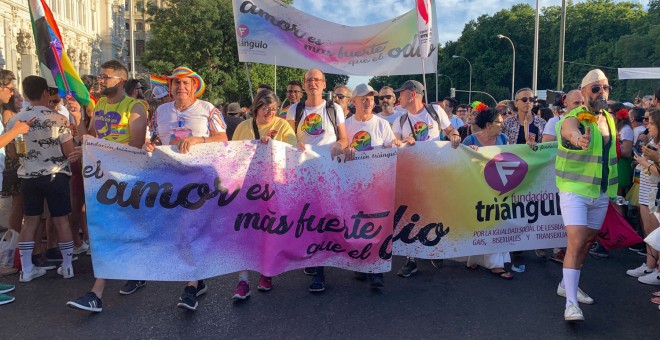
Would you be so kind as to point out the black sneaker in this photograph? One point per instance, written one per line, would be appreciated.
(437, 263)
(599, 251)
(642, 252)
(360, 276)
(54, 255)
(318, 284)
(376, 281)
(89, 302)
(39, 261)
(408, 269)
(131, 286)
(188, 299)
(310, 271)
(201, 288)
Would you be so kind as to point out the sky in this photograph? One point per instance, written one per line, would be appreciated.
(452, 15)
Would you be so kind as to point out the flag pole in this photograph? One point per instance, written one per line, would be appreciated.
(247, 72)
(59, 66)
(426, 91)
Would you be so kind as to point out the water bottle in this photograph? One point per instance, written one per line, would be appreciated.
(21, 147)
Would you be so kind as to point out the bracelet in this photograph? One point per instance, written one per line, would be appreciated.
(648, 169)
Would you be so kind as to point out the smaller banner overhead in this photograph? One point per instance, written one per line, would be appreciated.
(271, 32)
(54, 63)
(639, 73)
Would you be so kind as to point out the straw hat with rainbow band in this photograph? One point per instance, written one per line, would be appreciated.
(184, 72)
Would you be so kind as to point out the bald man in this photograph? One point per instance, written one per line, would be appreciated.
(572, 100)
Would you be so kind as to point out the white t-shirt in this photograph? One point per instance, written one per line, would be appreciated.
(550, 126)
(392, 118)
(365, 136)
(456, 122)
(638, 131)
(48, 131)
(626, 133)
(315, 128)
(200, 117)
(423, 126)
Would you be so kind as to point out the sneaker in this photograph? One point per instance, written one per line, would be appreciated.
(408, 269)
(360, 276)
(29, 276)
(651, 279)
(242, 291)
(581, 295)
(376, 281)
(642, 252)
(437, 263)
(265, 283)
(640, 271)
(66, 273)
(54, 255)
(559, 256)
(6, 288)
(84, 247)
(310, 271)
(201, 288)
(188, 299)
(573, 313)
(637, 247)
(7, 271)
(599, 251)
(40, 262)
(318, 284)
(131, 286)
(5, 299)
(89, 302)
(540, 253)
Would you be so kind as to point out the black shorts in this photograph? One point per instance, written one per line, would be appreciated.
(53, 188)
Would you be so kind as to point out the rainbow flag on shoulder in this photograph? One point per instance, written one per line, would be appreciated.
(54, 63)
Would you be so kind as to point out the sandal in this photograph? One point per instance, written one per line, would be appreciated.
(503, 274)
(656, 300)
(472, 267)
(656, 293)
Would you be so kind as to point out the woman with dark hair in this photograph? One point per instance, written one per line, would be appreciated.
(625, 137)
(470, 127)
(490, 122)
(263, 126)
(11, 184)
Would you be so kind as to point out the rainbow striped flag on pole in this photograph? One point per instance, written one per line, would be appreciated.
(54, 63)
(157, 80)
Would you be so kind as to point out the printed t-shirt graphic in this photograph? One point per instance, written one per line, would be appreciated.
(111, 121)
(424, 127)
(315, 128)
(374, 133)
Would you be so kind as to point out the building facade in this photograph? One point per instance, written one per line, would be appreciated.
(93, 31)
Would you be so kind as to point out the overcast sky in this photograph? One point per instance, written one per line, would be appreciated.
(452, 15)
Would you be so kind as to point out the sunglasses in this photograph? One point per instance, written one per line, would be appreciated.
(596, 88)
(341, 96)
(527, 99)
(106, 77)
(55, 101)
(293, 91)
(268, 109)
(387, 96)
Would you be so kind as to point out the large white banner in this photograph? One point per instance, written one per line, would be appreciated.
(270, 32)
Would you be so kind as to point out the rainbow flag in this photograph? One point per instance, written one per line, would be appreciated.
(157, 80)
(54, 63)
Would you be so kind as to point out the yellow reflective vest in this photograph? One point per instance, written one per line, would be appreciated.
(580, 171)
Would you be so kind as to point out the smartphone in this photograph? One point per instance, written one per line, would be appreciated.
(637, 153)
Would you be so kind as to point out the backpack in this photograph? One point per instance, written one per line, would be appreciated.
(432, 113)
(332, 114)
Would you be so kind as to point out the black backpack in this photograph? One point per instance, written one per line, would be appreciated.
(329, 106)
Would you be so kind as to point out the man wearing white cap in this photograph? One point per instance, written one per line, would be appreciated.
(586, 174)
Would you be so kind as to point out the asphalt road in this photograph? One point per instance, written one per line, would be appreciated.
(447, 303)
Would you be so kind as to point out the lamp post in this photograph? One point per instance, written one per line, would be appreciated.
(451, 82)
(469, 63)
(513, 68)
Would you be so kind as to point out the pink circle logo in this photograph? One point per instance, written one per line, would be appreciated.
(505, 172)
(242, 31)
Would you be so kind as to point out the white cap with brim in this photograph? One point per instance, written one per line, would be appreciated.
(159, 92)
(364, 90)
(592, 77)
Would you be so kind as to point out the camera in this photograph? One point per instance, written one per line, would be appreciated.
(555, 98)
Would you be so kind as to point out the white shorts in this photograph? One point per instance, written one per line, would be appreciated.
(583, 211)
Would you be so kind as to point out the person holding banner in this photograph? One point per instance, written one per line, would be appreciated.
(317, 122)
(421, 123)
(185, 122)
(118, 118)
(586, 175)
(490, 123)
(386, 100)
(265, 126)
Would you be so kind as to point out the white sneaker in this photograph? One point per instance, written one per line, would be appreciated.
(640, 271)
(84, 247)
(66, 273)
(573, 313)
(651, 279)
(581, 295)
(35, 273)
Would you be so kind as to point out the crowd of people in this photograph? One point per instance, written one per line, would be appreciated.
(605, 149)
